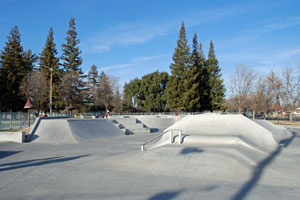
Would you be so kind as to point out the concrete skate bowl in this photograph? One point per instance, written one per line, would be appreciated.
(221, 131)
(70, 131)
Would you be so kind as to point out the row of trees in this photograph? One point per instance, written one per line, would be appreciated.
(265, 93)
(19, 79)
(195, 83)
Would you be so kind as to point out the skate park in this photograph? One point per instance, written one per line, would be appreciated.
(206, 156)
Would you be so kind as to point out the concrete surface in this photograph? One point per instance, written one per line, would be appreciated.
(65, 130)
(12, 137)
(115, 168)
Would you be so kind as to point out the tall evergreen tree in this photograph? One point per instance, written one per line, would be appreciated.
(204, 86)
(71, 53)
(15, 65)
(192, 78)
(217, 88)
(179, 65)
(48, 58)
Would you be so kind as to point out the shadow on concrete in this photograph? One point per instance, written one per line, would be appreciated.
(165, 195)
(28, 161)
(40, 162)
(286, 142)
(258, 171)
(188, 150)
(4, 154)
(154, 130)
(34, 137)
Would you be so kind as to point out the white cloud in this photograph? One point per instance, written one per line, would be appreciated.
(283, 22)
(97, 48)
(263, 60)
(125, 34)
(133, 63)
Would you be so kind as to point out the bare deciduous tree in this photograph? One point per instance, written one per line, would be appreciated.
(241, 83)
(291, 87)
(35, 85)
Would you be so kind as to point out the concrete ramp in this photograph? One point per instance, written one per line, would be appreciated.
(89, 129)
(53, 131)
(279, 132)
(215, 130)
(64, 131)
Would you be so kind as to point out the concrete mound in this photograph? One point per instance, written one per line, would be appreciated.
(53, 131)
(56, 131)
(215, 130)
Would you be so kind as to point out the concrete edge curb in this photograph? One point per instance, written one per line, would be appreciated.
(18, 137)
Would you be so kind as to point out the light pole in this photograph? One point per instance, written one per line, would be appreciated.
(51, 70)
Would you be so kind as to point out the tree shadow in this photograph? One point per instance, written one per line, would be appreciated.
(258, 171)
(28, 161)
(32, 163)
(165, 195)
(188, 150)
(4, 154)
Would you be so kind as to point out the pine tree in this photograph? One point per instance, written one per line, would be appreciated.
(48, 58)
(71, 52)
(192, 78)
(15, 65)
(204, 86)
(217, 88)
(179, 65)
(92, 85)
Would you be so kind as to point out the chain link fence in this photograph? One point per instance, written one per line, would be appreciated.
(15, 120)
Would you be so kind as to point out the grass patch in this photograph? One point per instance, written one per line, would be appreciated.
(286, 123)
(26, 130)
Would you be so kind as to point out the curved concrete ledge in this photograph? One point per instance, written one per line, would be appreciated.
(18, 137)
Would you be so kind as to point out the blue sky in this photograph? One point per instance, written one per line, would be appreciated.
(128, 39)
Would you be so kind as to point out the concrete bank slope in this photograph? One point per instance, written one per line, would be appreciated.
(88, 129)
(56, 131)
(279, 132)
(53, 131)
(217, 130)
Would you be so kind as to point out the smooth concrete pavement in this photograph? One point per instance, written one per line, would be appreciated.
(115, 168)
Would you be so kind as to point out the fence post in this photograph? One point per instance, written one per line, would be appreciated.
(20, 119)
(10, 123)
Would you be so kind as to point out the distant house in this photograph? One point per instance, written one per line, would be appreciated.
(297, 111)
